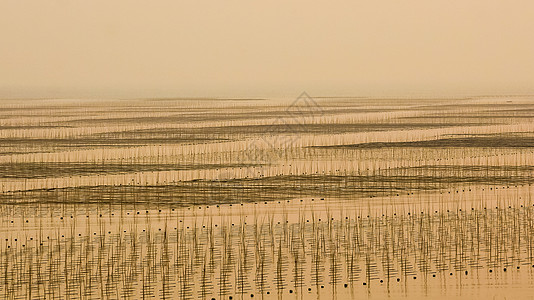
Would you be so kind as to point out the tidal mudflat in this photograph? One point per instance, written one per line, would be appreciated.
(319, 198)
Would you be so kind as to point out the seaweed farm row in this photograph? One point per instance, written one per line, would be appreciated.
(299, 248)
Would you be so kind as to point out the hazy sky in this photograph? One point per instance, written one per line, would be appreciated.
(129, 48)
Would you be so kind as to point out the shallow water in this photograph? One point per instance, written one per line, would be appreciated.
(216, 199)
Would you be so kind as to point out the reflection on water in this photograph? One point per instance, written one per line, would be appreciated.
(318, 248)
